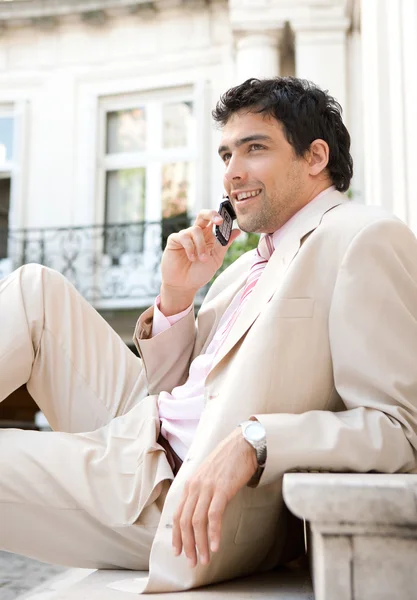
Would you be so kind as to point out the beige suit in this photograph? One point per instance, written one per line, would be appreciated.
(323, 353)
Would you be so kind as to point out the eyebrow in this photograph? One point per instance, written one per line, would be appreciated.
(250, 138)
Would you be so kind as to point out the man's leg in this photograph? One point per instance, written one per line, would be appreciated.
(75, 366)
(91, 492)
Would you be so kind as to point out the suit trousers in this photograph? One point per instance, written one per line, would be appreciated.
(89, 493)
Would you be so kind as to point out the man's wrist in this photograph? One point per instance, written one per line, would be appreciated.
(255, 435)
(174, 300)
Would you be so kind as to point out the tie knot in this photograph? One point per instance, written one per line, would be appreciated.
(266, 246)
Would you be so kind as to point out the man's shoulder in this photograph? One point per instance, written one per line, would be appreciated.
(351, 218)
(356, 215)
(354, 226)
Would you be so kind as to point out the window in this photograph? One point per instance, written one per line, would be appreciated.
(6, 162)
(148, 162)
(6, 139)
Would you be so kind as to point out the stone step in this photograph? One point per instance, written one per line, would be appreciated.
(83, 584)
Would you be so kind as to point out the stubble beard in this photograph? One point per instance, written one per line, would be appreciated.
(267, 219)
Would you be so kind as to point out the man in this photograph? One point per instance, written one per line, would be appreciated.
(308, 344)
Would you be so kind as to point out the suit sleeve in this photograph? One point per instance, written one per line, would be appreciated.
(166, 357)
(373, 341)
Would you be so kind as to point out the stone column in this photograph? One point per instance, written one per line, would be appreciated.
(355, 103)
(257, 54)
(389, 48)
(320, 53)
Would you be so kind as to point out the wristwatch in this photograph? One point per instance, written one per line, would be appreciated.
(255, 434)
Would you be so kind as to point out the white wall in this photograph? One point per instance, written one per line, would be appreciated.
(389, 31)
(62, 73)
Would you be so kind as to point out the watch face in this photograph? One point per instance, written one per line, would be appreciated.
(255, 432)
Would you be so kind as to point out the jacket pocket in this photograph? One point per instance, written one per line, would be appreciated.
(294, 308)
(256, 524)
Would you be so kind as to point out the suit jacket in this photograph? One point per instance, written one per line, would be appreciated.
(324, 354)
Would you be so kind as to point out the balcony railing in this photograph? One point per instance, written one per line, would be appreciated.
(113, 266)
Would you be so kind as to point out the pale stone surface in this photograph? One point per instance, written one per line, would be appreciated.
(384, 568)
(327, 569)
(284, 584)
(19, 574)
(364, 533)
(352, 497)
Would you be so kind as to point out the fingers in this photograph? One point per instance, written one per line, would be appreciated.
(193, 242)
(176, 529)
(207, 217)
(183, 533)
(200, 523)
(198, 241)
(184, 240)
(215, 517)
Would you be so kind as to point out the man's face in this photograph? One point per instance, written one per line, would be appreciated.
(264, 179)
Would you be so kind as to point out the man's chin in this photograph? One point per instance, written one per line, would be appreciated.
(250, 227)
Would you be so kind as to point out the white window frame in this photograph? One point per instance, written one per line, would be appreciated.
(155, 156)
(7, 168)
(16, 168)
(13, 169)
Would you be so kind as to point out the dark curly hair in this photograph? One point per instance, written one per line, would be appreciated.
(306, 113)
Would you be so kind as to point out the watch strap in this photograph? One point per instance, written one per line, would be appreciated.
(260, 447)
(254, 480)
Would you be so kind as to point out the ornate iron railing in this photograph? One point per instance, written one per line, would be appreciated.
(111, 265)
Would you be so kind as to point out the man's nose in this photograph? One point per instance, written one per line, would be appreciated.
(235, 170)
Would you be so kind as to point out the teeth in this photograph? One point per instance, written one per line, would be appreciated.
(245, 195)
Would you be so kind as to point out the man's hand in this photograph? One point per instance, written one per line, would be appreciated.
(198, 519)
(190, 260)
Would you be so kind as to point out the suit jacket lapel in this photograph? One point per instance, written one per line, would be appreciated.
(272, 277)
(262, 293)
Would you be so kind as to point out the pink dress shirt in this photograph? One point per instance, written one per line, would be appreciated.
(180, 410)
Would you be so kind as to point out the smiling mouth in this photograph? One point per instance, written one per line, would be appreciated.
(247, 195)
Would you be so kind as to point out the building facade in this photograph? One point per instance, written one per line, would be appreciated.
(106, 139)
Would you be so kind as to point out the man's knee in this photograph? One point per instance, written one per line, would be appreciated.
(38, 284)
(37, 274)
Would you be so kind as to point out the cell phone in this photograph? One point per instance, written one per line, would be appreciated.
(223, 231)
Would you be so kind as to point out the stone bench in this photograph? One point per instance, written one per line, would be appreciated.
(363, 533)
(362, 545)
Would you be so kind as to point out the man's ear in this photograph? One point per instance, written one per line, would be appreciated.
(318, 156)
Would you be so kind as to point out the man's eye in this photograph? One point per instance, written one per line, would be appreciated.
(226, 157)
(256, 147)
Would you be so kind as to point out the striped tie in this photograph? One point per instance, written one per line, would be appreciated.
(263, 253)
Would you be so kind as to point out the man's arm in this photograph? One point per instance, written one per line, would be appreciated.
(165, 356)
(373, 340)
(190, 259)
